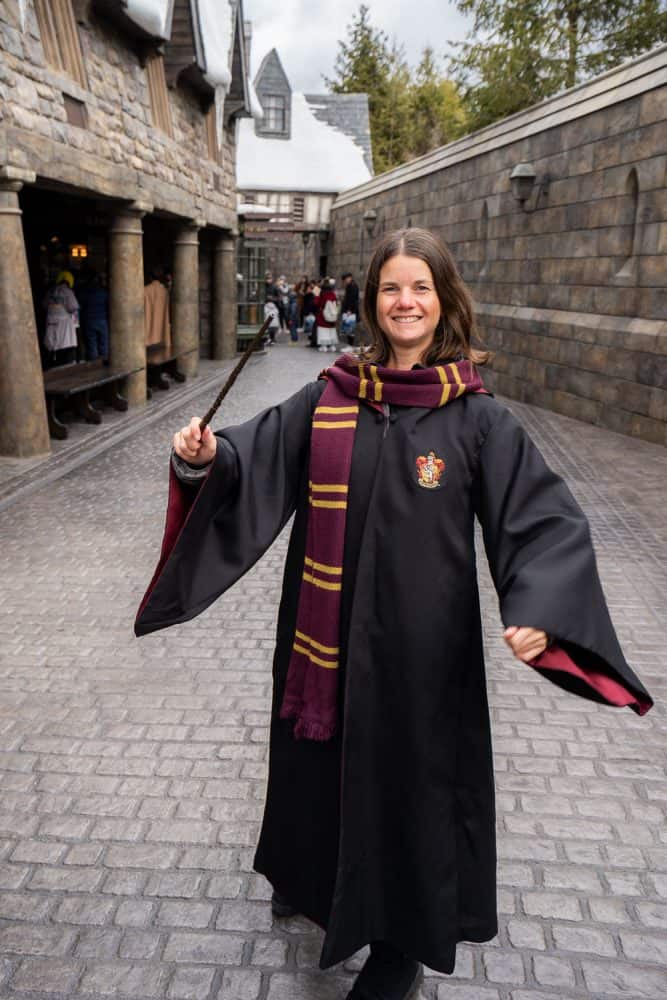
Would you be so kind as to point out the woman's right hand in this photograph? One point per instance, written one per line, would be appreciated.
(194, 446)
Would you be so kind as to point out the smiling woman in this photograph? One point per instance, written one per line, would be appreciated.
(416, 307)
(379, 818)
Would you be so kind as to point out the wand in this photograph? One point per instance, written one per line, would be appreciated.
(208, 416)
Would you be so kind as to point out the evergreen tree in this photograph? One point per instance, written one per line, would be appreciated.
(522, 51)
(436, 108)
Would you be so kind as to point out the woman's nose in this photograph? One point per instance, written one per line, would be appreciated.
(405, 297)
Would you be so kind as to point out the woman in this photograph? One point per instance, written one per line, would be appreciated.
(379, 819)
(62, 321)
(327, 315)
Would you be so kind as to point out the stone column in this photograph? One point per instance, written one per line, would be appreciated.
(185, 299)
(127, 345)
(24, 429)
(224, 298)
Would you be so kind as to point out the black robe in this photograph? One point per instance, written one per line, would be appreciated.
(388, 830)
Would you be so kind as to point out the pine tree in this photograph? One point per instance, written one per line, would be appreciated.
(436, 107)
(522, 51)
(368, 63)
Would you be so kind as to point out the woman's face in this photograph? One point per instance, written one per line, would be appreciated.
(408, 308)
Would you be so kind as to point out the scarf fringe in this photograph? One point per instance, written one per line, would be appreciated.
(307, 730)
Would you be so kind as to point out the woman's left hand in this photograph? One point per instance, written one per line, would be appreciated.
(526, 643)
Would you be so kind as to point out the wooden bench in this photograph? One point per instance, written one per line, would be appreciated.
(75, 383)
(244, 334)
(160, 362)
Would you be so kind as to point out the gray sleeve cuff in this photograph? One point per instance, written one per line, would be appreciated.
(189, 474)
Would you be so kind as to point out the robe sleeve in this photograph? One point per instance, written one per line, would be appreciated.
(215, 534)
(541, 557)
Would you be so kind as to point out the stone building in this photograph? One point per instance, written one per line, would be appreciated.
(291, 163)
(558, 219)
(117, 152)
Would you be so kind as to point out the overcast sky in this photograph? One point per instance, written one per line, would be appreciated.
(306, 32)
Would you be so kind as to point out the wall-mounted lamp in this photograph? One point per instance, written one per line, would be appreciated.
(523, 179)
(370, 218)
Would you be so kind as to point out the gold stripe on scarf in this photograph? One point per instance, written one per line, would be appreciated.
(323, 584)
(333, 488)
(363, 382)
(337, 409)
(334, 650)
(331, 504)
(323, 568)
(457, 375)
(315, 659)
(378, 384)
(446, 386)
(331, 425)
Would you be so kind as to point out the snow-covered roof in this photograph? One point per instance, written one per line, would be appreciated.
(217, 20)
(317, 157)
(154, 16)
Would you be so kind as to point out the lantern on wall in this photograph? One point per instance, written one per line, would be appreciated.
(78, 251)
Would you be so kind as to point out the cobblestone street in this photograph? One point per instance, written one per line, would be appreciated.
(132, 772)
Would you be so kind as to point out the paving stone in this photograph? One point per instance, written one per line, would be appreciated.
(269, 952)
(616, 980)
(124, 979)
(240, 984)
(526, 934)
(184, 914)
(46, 975)
(98, 942)
(84, 910)
(142, 945)
(218, 949)
(503, 967)
(134, 913)
(552, 971)
(191, 984)
(587, 939)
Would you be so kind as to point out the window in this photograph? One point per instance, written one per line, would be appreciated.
(157, 92)
(75, 111)
(60, 38)
(298, 208)
(274, 113)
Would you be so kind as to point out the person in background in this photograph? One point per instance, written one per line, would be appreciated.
(310, 312)
(62, 320)
(349, 308)
(271, 312)
(283, 300)
(157, 326)
(95, 317)
(327, 316)
(293, 316)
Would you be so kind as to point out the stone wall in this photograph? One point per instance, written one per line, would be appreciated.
(120, 153)
(570, 287)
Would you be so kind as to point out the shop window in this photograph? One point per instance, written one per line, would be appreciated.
(60, 38)
(157, 92)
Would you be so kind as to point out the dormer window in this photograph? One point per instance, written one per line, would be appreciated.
(275, 116)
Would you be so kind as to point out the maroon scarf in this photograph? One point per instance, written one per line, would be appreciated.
(311, 692)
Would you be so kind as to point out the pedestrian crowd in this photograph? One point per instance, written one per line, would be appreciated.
(313, 307)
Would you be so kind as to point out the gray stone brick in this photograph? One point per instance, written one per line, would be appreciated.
(617, 980)
(269, 952)
(526, 934)
(66, 879)
(11, 875)
(191, 984)
(240, 984)
(503, 966)
(184, 914)
(84, 910)
(305, 986)
(227, 887)
(38, 852)
(48, 975)
(134, 913)
(551, 971)
(551, 904)
(456, 991)
(124, 979)
(98, 943)
(207, 949)
(244, 916)
(140, 856)
(22, 939)
(585, 939)
(182, 832)
(143, 945)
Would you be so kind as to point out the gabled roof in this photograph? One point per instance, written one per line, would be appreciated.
(349, 113)
(271, 66)
(319, 156)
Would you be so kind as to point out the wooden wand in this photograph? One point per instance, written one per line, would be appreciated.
(208, 416)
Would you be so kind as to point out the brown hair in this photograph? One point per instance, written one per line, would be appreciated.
(457, 326)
